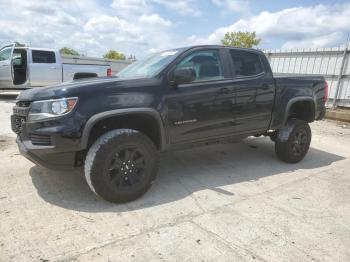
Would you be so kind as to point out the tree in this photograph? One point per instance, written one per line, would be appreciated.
(112, 54)
(240, 39)
(68, 51)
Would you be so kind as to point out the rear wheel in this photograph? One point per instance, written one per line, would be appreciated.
(294, 148)
(121, 165)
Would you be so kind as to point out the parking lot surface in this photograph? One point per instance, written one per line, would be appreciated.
(230, 202)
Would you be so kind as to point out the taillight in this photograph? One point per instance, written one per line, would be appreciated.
(325, 97)
(109, 72)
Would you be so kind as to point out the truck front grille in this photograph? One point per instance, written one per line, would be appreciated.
(23, 103)
(17, 122)
(40, 140)
(20, 114)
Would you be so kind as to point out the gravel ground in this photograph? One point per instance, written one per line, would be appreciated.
(232, 202)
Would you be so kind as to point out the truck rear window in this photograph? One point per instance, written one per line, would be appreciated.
(245, 63)
(46, 57)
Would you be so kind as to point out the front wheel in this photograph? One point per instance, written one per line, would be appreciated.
(293, 143)
(121, 165)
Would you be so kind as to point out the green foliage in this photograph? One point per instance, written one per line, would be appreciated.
(112, 54)
(68, 51)
(241, 39)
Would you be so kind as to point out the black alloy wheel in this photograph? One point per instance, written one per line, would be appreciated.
(127, 167)
(121, 165)
(293, 141)
(299, 142)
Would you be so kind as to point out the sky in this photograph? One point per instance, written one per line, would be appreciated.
(140, 27)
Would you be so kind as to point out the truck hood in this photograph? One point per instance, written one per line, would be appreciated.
(85, 87)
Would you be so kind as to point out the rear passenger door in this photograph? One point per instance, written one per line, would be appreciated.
(44, 69)
(254, 91)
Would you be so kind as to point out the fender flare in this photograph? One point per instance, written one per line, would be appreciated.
(283, 134)
(294, 100)
(120, 112)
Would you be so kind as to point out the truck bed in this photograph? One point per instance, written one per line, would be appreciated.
(293, 88)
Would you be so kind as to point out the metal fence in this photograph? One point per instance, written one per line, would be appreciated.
(332, 63)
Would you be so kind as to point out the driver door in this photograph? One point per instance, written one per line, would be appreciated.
(203, 108)
(6, 66)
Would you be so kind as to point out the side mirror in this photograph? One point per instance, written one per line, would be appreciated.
(184, 75)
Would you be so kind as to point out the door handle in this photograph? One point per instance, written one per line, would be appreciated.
(264, 86)
(225, 90)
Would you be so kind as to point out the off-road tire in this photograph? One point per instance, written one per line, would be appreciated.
(299, 137)
(105, 181)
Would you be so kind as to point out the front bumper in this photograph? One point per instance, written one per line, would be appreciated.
(54, 143)
(47, 156)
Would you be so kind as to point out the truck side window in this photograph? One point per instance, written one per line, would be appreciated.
(46, 57)
(5, 54)
(245, 63)
(206, 64)
(17, 58)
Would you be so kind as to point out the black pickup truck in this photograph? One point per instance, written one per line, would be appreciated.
(115, 127)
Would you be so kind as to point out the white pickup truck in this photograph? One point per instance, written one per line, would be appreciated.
(27, 67)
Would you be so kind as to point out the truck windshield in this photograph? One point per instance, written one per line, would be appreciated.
(150, 66)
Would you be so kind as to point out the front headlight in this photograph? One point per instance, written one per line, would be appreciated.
(51, 108)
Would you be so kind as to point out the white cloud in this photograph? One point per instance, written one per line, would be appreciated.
(154, 20)
(110, 24)
(136, 26)
(183, 7)
(239, 6)
(138, 33)
(86, 26)
(317, 26)
(35, 21)
(329, 40)
(129, 5)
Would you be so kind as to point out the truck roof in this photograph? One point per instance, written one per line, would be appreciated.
(35, 48)
(223, 46)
